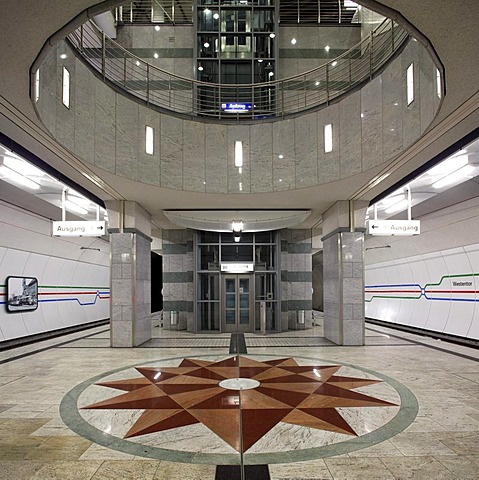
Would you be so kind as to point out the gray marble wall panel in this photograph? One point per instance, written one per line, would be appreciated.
(283, 156)
(65, 122)
(306, 152)
(85, 115)
(371, 125)
(261, 158)
(171, 148)
(126, 138)
(195, 153)
(392, 110)
(239, 179)
(105, 132)
(216, 165)
(411, 112)
(427, 86)
(148, 165)
(350, 135)
(47, 101)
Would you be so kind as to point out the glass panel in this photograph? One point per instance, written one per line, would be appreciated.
(230, 317)
(244, 300)
(244, 285)
(209, 255)
(230, 285)
(208, 20)
(214, 293)
(229, 238)
(230, 300)
(215, 315)
(265, 257)
(263, 237)
(209, 237)
(244, 317)
(237, 253)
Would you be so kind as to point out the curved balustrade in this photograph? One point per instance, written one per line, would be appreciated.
(275, 99)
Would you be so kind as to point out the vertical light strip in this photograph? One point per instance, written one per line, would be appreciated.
(238, 153)
(149, 137)
(328, 138)
(438, 83)
(37, 85)
(66, 88)
(410, 84)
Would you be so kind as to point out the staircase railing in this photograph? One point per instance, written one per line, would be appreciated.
(275, 99)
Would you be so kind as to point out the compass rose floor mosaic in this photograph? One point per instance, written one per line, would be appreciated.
(402, 406)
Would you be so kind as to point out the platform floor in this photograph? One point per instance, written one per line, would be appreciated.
(400, 407)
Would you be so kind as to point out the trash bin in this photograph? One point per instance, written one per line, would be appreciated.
(300, 318)
(174, 317)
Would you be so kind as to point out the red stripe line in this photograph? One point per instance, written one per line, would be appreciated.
(393, 291)
(67, 293)
(452, 291)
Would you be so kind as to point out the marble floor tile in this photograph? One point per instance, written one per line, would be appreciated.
(59, 448)
(464, 467)
(358, 469)
(184, 471)
(419, 444)
(18, 469)
(383, 449)
(64, 470)
(97, 452)
(417, 468)
(305, 470)
(459, 442)
(126, 470)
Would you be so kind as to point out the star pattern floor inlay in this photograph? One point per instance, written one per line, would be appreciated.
(311, 396)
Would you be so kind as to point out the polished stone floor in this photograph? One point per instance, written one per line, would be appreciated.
(401, 407)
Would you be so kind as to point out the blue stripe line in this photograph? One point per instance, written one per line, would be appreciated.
(394, 285)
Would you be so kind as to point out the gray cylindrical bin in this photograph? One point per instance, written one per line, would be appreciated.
(300, 318)
(174, 317)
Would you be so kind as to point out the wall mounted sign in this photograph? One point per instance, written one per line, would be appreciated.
(22, 294)
(236, 267)
(79, 229)
(394, 227)
(236, 107)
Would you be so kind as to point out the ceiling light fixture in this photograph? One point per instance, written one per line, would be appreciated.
(73, 207)
(237, 226)
(157, 28)
(18, 178)
(397, 207)
(22, 167)
(446, 167)
(216, 15)
(460, 174)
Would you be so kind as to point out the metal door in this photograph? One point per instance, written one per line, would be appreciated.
(237, 303)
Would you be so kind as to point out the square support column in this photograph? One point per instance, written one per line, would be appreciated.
(343, 272)
(130, 313)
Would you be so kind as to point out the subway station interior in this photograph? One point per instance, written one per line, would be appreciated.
(239, 240)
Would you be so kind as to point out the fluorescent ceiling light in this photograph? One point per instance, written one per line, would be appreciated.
(448, 166)
(393, 199)
(17, 178)
(22, 167)
(397, 207)
(238, 153)
(78, 200)
(73, 207)
(458, 175)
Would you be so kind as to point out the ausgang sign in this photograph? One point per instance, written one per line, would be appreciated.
(79, 229)
(394, 227)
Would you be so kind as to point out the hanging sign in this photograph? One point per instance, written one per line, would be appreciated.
(394, 227)
(236, 107)
(79, 229)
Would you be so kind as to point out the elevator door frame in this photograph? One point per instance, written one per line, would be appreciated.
(237, 327)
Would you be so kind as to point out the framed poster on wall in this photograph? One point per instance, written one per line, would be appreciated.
(22, 294)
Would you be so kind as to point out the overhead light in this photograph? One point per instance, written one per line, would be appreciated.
(410, 83)
(73, 207)
(66, 87)
(63, 56)
(200, 68)
(155, 55)
(237, 225)
(137, 63)
(393, 199)
(18, 178)
(448, 166)
(280, 156)
(237, 237)
(206, 45)
(270, 74)
(238, 153)
(216, 15)
(22, 167)
(206, 11)
(157, 28)
(272, 35)
(317, 82)
(397, 207)
(334, 63)
(327, 48)
(328, 138)
(293, 41)
(149, 139)
(460, 174)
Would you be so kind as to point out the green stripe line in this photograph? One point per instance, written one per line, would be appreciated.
(67, 286)
(390, 296)
(450, 276)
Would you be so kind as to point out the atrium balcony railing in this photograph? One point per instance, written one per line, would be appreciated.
(276, 99)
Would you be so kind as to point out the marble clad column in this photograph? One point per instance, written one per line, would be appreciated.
(130, 273)
(343, 272)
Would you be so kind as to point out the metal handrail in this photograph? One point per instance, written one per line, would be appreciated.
(276, 99)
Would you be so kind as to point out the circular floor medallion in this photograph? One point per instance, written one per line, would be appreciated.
(287, 409)
(239, 384)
